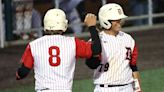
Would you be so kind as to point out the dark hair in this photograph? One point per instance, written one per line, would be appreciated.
(52, 32)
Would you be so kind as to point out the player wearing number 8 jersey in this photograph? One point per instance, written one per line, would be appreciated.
(118, 70)
(53, 56)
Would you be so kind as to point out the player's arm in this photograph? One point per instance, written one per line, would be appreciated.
(133, 65)
(88, 49)
(22, 72)
(136, 85)
(26, 64)
(90, 22)
(94, 61)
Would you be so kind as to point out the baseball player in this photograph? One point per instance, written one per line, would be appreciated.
(117, 71)
(53, 56)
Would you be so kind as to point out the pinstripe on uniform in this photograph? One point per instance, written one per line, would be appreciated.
(53, 59)
(115, 60)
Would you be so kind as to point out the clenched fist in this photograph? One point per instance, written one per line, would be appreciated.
(90, 20)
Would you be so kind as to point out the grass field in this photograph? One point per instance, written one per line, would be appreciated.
(151, 81)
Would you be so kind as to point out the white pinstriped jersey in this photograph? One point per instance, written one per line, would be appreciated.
(53, 59)
(118, 52)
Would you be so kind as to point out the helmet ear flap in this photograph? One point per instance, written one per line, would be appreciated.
(108, 23)
(109, 12)
(105, 23)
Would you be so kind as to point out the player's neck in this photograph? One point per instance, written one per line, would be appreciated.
(111, 32)
(53, 33)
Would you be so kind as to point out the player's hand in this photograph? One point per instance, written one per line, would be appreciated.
(136, 86)
(17, 76)
(90, 20)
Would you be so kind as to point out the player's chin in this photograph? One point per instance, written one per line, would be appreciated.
(118, 29)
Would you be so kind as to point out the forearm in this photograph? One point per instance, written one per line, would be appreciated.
(136, 75)
(93, 62)
(137, 86)
(96, 43)
(90, 21)
(22, 72)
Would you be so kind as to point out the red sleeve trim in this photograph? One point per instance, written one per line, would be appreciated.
(83, 49)
(27, 58)
(134, 56)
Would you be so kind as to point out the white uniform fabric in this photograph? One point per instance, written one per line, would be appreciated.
(114, 68)
(54, 76)
(55, 91)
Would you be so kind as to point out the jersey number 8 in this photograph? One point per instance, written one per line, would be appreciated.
(51, 56)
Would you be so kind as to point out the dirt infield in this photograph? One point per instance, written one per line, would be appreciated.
(150, 44)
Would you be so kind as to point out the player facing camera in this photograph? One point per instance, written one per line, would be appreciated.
(117, 70)
(109, 13)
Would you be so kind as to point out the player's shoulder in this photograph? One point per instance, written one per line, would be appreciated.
(101, 33)
(121, 33)
(36, 40)
(51, 38)
(69, 37)
(126, 35)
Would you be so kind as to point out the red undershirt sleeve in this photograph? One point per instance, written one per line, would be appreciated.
(27, 59)
(134, 56)
(83, 49)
